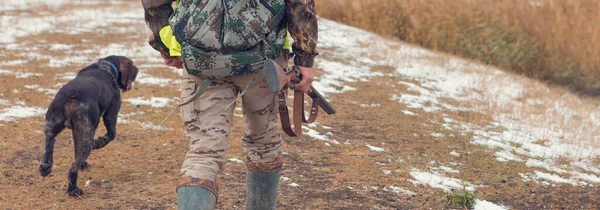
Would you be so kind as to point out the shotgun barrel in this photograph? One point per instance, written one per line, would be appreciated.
(324, 104)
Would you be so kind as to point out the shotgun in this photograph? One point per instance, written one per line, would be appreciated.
(280, 80)
(312, 93)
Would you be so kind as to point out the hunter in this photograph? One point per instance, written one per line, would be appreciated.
(222, 45)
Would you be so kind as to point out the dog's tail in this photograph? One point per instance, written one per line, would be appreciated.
(61, 107)
(77, 110)
(71, 106)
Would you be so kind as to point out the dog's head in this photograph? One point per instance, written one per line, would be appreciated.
(127, 71)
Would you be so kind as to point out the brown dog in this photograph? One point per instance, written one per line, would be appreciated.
(79, 104)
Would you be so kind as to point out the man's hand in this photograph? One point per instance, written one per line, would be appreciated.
(307, 79)
(174, 62)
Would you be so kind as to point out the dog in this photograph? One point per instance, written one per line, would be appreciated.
(79, 104)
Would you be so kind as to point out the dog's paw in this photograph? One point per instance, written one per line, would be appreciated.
(85, 165)
(45, 169)
(75, 192)
(100, 142)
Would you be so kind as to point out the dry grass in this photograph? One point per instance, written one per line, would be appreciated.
(552, 40)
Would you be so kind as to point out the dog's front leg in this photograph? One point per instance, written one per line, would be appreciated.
(110, 122)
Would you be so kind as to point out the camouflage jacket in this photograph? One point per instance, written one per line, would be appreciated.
(300, 17)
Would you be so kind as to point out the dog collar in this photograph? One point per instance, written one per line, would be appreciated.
(113, 67)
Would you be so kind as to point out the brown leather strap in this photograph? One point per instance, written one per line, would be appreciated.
(298, 104)
(284, 113)
(314, 111)
(298, 115)
(298, 111)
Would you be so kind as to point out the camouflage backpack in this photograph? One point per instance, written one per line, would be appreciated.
(221, 38)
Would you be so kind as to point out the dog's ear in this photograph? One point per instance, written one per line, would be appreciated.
(128, 73)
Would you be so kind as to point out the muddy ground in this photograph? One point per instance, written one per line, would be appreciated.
(139, 169)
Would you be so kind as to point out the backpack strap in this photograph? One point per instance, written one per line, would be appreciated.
(203, 86)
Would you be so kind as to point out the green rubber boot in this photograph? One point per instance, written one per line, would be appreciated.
(261, 191)
(195, 198)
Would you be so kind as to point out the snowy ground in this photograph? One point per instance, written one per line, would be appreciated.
(553, 132)
(538, 125)
(531, 122)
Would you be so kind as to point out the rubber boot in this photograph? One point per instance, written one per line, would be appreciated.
(195, 198)
(261, 191)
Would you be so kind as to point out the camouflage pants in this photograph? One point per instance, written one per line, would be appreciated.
(207, 123)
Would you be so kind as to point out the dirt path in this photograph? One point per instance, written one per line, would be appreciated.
(412, 126)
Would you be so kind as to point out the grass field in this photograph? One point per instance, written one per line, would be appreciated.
(552, 40)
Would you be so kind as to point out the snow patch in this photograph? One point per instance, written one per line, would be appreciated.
(24, 5)
(437, 135)
(547, 164)
(126, 119)
(22, 75)
(72, 60)
(66, 76)
(454, 153)
(374, 148)
(47, 91)
(14, 112)
(409, 113)
(402, 190)
(60, 47)
(314, 134)
(13, 62)
(486, 205)
(447, 169)
(553, 178)
(439, 181)
(146, 79)
(525, 124)
(156, 102)
(369, 105)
